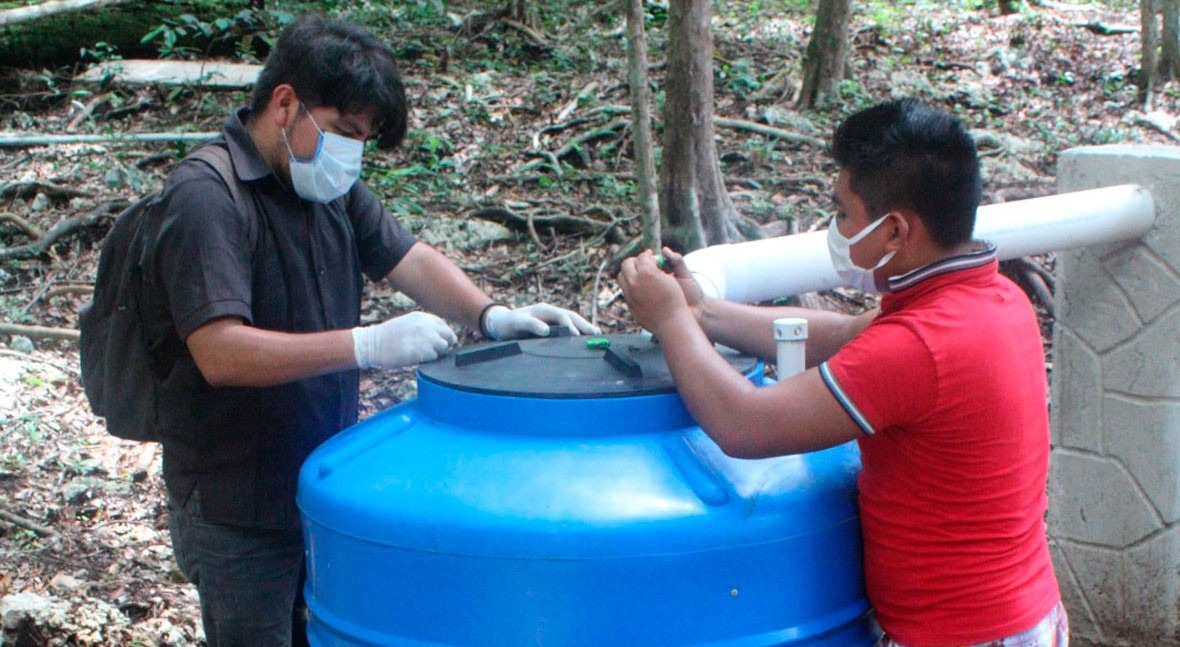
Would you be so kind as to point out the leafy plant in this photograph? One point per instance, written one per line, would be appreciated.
(612, 188)
(430, 171)
(189, 36)
(100, 52)
(855, 94)
(655, 15)
(740, 77)
(13, 461)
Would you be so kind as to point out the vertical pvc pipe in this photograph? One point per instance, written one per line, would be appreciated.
(790, 336)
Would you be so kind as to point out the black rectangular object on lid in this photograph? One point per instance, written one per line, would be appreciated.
(563, 367)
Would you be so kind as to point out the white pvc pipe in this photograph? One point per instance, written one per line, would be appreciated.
(761, 270)
(790, 338)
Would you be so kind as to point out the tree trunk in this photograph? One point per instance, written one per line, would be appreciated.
(1009, 7)
(696, 208)
(827, 54)
(645, 168)
(1169, 63)
(524, 12)
(1149, 43)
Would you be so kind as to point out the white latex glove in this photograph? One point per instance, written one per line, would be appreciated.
(533, 321)
(401, 341)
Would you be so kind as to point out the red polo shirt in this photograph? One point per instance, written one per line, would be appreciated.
(948, 384)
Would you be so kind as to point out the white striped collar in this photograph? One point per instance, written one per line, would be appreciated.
(984, 253)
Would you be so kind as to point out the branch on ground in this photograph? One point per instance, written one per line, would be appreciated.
(561, 223)
(28, 524)
(62, 229)
(38, 332)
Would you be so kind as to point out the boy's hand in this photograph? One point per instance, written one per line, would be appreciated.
(693, 294)
(654, 296)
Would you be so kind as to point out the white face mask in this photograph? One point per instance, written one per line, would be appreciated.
(840, 249)
(331, 170)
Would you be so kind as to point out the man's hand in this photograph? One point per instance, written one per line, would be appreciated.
(693, 293)
(409, 339)
(654, 296)
(532, 321)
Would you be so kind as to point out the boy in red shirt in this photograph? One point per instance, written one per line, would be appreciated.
(943, 387)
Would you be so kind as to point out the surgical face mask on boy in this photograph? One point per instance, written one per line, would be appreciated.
(331, 171)
(840, 249)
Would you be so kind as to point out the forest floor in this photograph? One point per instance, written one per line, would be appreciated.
(83, 529)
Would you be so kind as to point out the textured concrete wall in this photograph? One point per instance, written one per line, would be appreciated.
(1114, 484)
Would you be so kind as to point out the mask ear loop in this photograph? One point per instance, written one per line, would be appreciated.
(319, 144)
(888, 255)
(863, 233)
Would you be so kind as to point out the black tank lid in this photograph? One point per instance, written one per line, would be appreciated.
(563, 366)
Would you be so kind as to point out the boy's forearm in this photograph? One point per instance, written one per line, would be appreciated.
(750, 328)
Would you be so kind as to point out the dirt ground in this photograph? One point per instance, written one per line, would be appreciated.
(83, 531)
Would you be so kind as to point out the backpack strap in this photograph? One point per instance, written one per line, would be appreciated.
(218, 157)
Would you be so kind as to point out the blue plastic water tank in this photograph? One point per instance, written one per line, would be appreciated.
(543, 492)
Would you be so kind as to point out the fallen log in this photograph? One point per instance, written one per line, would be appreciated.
(34, 12)
(214, 75)
(24, 140)
(54, 38)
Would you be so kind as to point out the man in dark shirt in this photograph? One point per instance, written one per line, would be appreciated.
(255, 312)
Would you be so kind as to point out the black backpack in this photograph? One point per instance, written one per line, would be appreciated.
(120, 374)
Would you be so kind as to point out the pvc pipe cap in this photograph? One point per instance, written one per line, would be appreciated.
(790, 329)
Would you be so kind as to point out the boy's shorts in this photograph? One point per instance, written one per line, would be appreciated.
(1052, 631)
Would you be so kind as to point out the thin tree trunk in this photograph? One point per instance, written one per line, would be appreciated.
(1149, 43)
(696, 208)
(827, 54)
(524, 12)
(645, 166)
(1169, 63)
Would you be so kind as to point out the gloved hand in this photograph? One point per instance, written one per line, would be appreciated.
(501, 323)
(401, 341)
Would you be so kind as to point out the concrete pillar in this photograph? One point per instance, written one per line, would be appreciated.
(1114, 483)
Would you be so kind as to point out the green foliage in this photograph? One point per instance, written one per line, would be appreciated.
(739, 77)
(100, 52)
(386, 16)
(758, 8)
(1118, 86)
(1109, 135)
(655, 15)
(855, 95)
(430, 174)
(28, 424)
(245, 34)
(76, 463)
(612, 188)
(13, 311)
(13, 461)
(887, 15)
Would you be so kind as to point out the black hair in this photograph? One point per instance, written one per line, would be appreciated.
(908, 155)
(336, 63)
